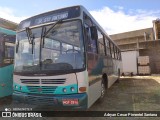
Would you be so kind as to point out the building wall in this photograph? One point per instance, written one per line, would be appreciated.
(143, 41)
(156, 29)
(133, 40)
(153, 51)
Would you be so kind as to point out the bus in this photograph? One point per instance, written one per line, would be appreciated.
(7, 42)
(64, 58)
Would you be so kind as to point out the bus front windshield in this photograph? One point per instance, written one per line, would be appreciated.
(61, 49)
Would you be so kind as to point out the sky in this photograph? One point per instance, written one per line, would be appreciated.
(115, 16)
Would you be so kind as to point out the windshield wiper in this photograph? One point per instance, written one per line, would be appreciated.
(30, 37)
(48, 31)
(45, 33)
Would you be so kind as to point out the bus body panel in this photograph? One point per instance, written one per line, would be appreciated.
(48, 96)
(7, 40)
(46, 84)
(6, 80)
(94, 92)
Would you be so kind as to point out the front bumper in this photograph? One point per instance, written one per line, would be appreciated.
(51, 100)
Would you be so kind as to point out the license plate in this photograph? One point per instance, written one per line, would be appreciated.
(70, 101)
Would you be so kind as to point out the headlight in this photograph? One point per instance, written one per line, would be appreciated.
(16, 86)
(20, 88)
(64, 90)
(72, 89)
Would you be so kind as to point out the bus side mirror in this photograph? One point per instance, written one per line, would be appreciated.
(94, 34)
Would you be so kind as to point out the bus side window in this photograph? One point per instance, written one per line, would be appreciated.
(107, 43)
(91, 44)
(120, 55)
(112, 50)
(9, 53)
(115, 52)
(101, 43)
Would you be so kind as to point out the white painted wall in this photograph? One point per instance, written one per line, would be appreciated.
(129, 61)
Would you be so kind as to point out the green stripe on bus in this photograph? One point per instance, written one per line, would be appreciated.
(7, 31)
(58, 90)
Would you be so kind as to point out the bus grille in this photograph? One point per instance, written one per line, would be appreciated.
(42, 89)
(53, 81)
(30, 81)
(41, 100)
(43, 81)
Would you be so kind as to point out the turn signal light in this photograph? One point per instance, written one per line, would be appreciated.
(82, 89)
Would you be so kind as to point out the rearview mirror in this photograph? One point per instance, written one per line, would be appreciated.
(94, 34)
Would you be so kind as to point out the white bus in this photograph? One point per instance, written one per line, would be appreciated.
(63, 58)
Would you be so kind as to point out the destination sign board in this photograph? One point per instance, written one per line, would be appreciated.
(61, 14)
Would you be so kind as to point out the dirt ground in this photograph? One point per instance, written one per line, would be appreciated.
(139, 93)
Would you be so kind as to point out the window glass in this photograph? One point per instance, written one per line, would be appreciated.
(92, 44)
(100, 37)
(112, 49)
(9, 50)
(9, 53)
(119, 55)
(63, 47)
(108, 52)
(101, 43)
(52, 44)
(66, 47)
(101, 49)
(115, 52)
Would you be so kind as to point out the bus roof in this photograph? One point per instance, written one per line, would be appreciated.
(6, 31)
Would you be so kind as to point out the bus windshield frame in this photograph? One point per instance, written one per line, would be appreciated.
(61, 51)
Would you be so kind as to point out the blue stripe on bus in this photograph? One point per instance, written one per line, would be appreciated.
(46, 89)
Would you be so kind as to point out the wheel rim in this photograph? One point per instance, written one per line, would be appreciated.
(102, 90)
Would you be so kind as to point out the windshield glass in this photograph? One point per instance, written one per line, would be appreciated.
(61, 50)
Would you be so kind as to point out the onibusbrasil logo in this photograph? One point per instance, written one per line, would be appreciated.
(9, 113)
